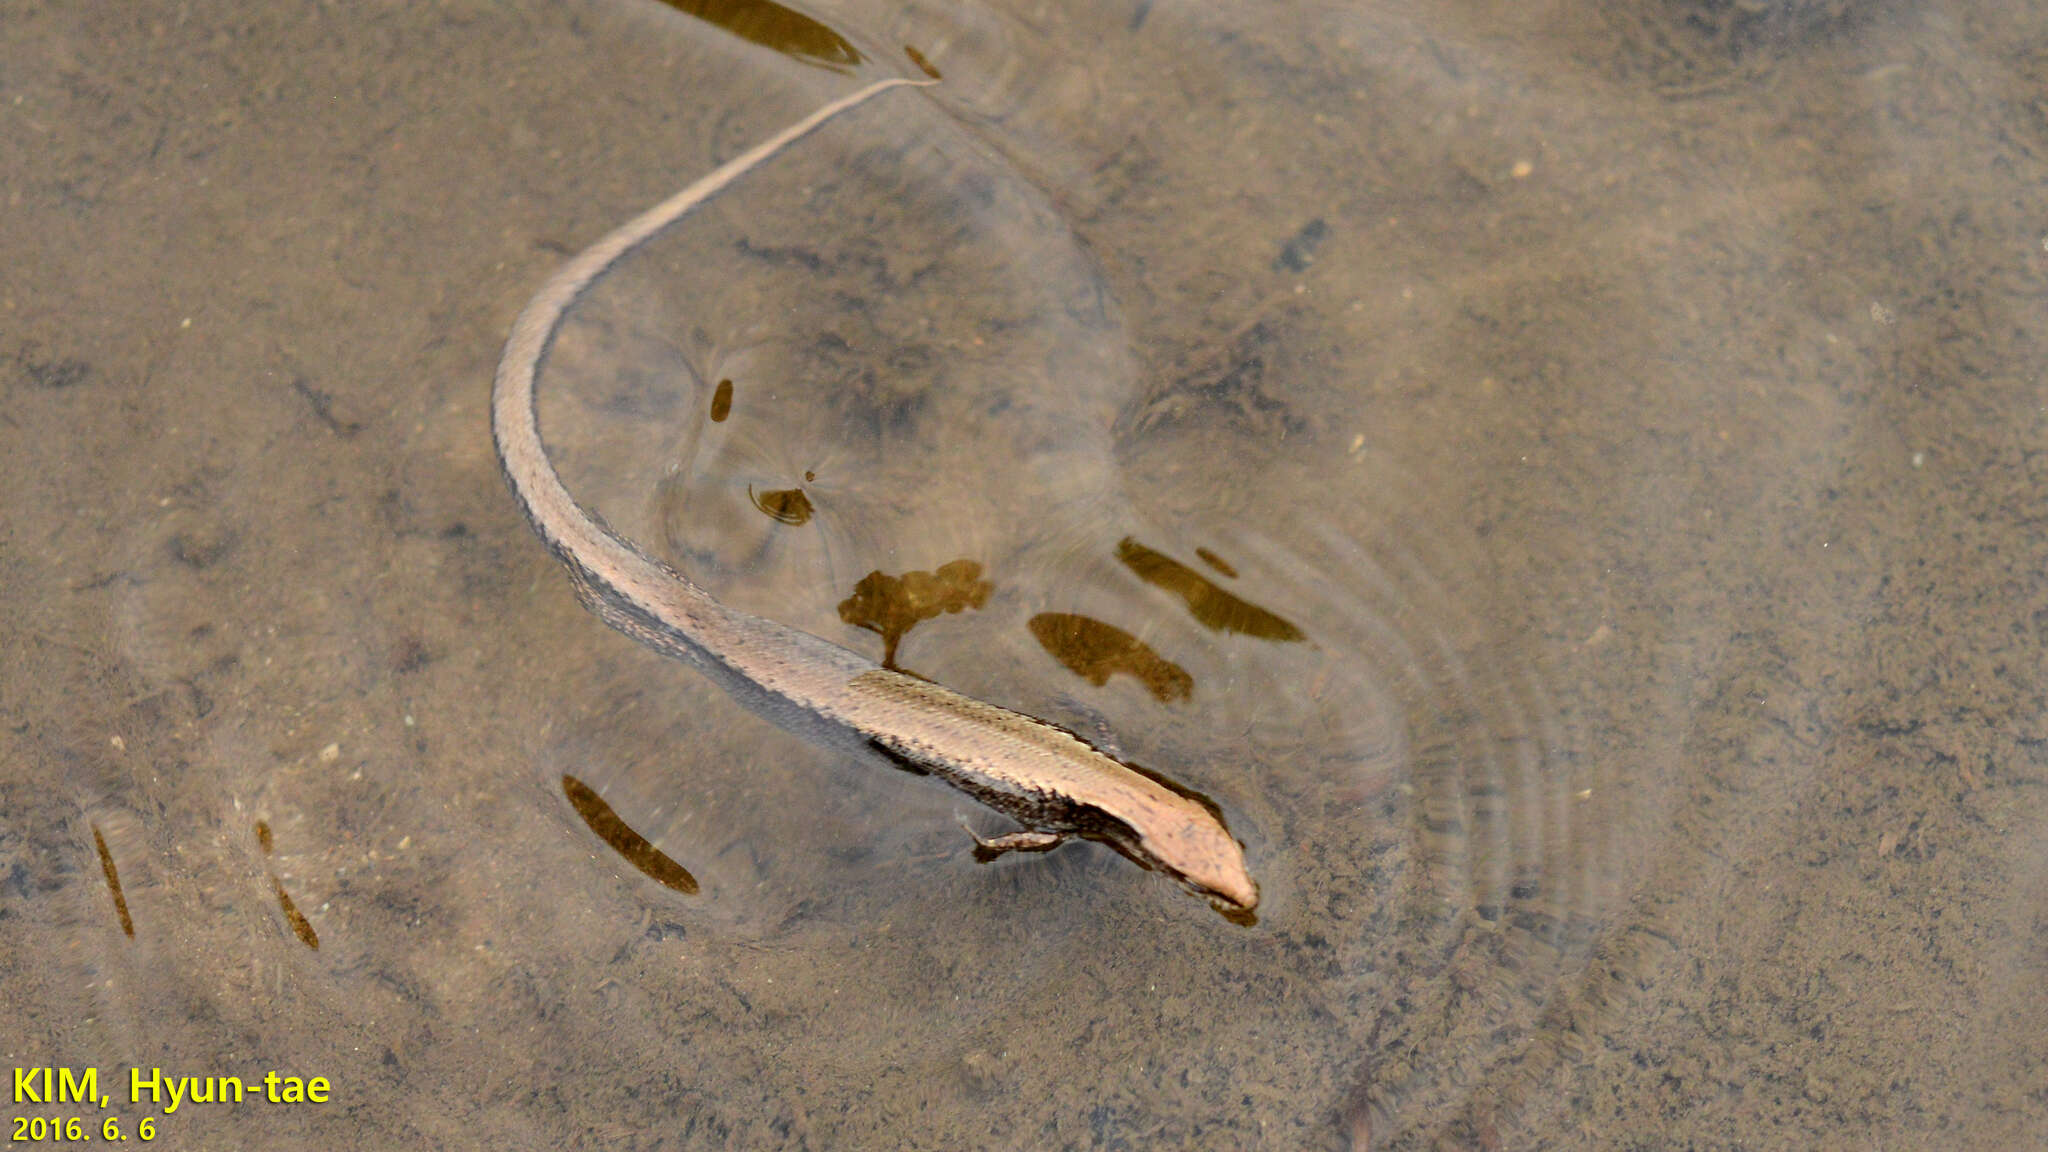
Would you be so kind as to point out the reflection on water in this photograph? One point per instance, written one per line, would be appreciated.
(1206, 602)
(1457, 441)
(923, 65)
(113, 875)
(300, 926)
(890, 606)
(783, 505)
(1217, 562)
(1095, 651)
(629, 844)
(776, 26)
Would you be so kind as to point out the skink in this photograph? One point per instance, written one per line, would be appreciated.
(1051, 782)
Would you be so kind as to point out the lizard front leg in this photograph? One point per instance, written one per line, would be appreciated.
(1025, 840)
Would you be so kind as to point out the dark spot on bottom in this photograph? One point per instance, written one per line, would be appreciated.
(113, 882)
(630, 844)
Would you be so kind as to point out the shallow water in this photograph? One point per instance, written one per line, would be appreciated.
(1574, 471)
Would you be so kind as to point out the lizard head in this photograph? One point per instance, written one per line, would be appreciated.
(1180, 832)
(1200, 854)
(1208, 863)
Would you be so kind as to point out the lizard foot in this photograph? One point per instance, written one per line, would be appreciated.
(986, 850)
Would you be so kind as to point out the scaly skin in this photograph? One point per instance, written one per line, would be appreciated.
(1045, 778)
